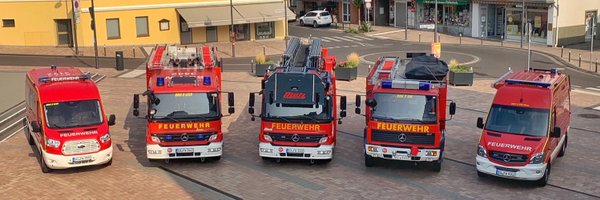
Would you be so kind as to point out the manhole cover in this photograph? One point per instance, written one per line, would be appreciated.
(589, 116)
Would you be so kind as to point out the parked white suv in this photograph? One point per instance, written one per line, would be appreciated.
(316, 18)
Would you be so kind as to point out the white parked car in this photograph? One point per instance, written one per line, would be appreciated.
(316, 18)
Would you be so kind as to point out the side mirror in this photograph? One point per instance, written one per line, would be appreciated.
(452, 108)
(371, 103)
(112, 120)
(480, 122)
(343, 102)
(136, 105)
(555, 132)
(357, 102)
(251, 103)
(231, 101)
(35, 127)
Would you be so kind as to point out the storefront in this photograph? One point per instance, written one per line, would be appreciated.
(454, 16)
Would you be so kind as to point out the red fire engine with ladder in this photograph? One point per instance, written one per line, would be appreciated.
(405, 116)
(298, 114)
(183, 103)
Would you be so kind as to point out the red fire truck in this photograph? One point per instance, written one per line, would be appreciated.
(183, 103)
(299, 105)
(527, 126)
(406, 113)
(65, 119)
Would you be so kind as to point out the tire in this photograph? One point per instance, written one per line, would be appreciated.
(301, 22)
(43, 166)
(153, 160)
(544, 180)
(481, 174)
(315, 25)
(563, 149)
(109, 163)
(217, 158)
(437, 165)
(369, 161)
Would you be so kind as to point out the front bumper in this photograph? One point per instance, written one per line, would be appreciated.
(404, 154)
(155, 151)
(54, 161)
(528, 172)
(270, 151)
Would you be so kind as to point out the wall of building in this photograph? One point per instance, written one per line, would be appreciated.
(34, 22)
(571, 20)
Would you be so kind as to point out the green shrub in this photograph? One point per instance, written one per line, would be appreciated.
(455, 66)
(353, 60)
(365, 27)
(352, 30)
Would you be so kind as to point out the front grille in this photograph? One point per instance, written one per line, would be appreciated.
(403, 138)
(80, 147)
(508, 157)
(285, 137)
(184, 137)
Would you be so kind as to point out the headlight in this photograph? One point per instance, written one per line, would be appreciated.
(268, 138)
(537, 158)
(323, 140)
(155, 139)
(52, 143)
(105, 138)
(481, 151)
(213, 137)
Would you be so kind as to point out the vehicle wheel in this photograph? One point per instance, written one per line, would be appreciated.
(563, 149)
(315, 25)
(369, 161)
(217, 158)
(301, 22)
(481, 174)
(544, 180)
(109, 163)
(437, 165)
(266, 159)
(45, 168)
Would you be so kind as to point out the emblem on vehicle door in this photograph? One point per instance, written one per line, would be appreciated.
(295, 138)
(402, 137)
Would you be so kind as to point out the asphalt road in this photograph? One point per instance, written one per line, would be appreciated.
(13, 84)
(35, 60)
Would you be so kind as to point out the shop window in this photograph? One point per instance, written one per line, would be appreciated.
(265, 30)
(112, 29)
(346, 11)
(8, 22)
(242, 32)
(141, 26)
(164, 25)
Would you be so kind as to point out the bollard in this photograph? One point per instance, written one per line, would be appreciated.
(133, 49)
(439, 38)
(502, 40)
(562, 49)
(596, 70)
(252, 66)
(569, 55)
(481, 39)
(104, 50)
(460, 38)
(579, 60)
(265, 50)
(419, 37)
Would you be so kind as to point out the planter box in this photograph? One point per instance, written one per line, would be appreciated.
(461, 78)
(261, 69)
(348, 74)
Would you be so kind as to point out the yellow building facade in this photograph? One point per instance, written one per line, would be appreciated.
(139, 22)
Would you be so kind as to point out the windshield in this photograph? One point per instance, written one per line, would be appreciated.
(73, 114)
(405, 108)
(186, 106)
(517, 120)
(317, 112)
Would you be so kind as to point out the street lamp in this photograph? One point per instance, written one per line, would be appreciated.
(435, 22)
(593, 26)
(232, 34)
(93, 16)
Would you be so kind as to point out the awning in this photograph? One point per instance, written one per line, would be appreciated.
(445, 2)
(541, 3)
(242, 14)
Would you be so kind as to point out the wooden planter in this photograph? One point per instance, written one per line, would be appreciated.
(344, 73)
(461, 78)
(261, 69)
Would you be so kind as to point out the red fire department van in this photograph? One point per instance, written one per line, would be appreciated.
(65, 119)
(183, 103)
(527, 126)
(299, 105)
(406, 110)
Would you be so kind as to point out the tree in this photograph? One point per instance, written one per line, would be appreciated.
(358, 4)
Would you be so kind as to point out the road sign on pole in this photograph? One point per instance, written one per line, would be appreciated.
(76, 8)
(436, 49)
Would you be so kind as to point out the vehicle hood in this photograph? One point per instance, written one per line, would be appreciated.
(184, 127)
(512, 143)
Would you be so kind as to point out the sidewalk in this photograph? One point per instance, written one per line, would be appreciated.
(427, 36)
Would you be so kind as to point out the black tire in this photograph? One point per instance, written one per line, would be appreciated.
(153, 160)
(315, 25)
(563, 148)
(109, 163)
(301, 22)
(217, 158)
(43, 166)
(544, 180)
(481, 174)
(437, 165)
(266, 159)
(369, 161)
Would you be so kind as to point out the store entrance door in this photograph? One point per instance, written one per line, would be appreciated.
(500, 21)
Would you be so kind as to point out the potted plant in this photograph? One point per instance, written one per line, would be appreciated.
(262, 63)
(460, 74)
(348, 70)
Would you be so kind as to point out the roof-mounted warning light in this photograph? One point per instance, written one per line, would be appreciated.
(53, 67)
(406, 84)
(206, 80)
(160, 81)
(522, 82)
(64, 78)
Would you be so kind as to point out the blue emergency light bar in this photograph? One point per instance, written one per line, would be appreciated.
(64, 78)
(404, 84)
(522, 82)
(206, 80)
(160, 81)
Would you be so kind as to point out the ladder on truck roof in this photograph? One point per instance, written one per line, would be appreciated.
(299, 57)
(172, 56)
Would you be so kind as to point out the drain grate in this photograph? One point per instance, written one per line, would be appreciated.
(589, 116)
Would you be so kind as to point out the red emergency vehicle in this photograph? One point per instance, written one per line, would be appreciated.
(405, 116)
(527, 126)
(65, 119)
(183, 103)
(299, 105)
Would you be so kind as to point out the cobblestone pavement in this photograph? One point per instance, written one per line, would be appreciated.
(242, 174)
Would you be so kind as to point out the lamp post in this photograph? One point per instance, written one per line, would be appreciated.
(523, 18)
(406, 24)
(593, 26)
(529, 45)
(435, 22)
(285, 23)
(93, 15)
(232, 34)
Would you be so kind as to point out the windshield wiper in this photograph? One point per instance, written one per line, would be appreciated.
(55, 126)
(166, 117)
(282, 118)
(385, 118)
(309, 117)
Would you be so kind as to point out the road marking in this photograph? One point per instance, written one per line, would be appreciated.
(352, 38)
(385, 33)
(364, 38)
(324, 39)
(576, 86)
(586, 92)
(332, 39)
(345, 39)
(597, 108)
(591, 88)
(381, 37)
(133, 73)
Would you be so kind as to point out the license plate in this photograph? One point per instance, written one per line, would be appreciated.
(184, 150)
(402, 157)
(295, 150)
(81, 159)
(505, 173)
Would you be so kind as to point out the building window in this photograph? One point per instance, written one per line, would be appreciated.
(346, 11)
(141, 26)
(112, 29)
(265, 30)
(8, 23)
(164, 25)
(242, 32)
(293, 3)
